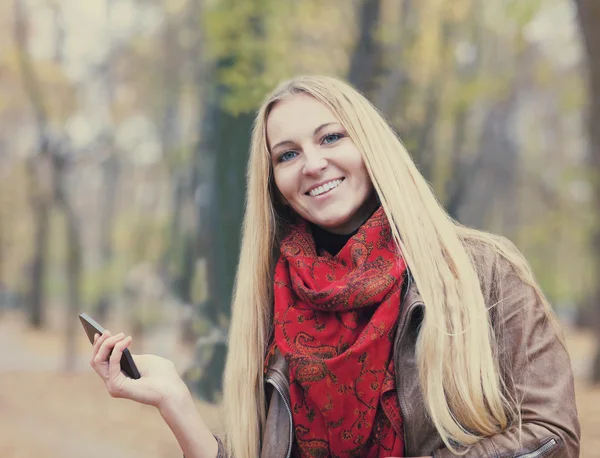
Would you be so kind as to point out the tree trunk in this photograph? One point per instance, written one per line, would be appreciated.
(110, 171)
(73, 270)
(49, 169)
(366, 61)
(187, 233)
(41, 221)
(589, 20)
(224, 150)
(425, 148)
(392, 90)
(225, 140)
(39, 171)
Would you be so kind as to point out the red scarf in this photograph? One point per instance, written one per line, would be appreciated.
(335, 318)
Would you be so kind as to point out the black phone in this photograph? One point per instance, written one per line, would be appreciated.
(127, 364)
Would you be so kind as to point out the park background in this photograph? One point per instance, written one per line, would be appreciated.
(124, 128)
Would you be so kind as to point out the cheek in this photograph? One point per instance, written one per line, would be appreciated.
(283, 183)
(358, 168)
(365, 177)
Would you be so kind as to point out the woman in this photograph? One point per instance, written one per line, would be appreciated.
(366, 322)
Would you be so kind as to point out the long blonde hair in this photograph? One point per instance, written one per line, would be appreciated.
(465, 396)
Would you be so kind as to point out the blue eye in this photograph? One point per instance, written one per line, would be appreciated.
(288, 155)
(331, 138)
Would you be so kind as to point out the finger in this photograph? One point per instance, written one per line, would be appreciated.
(106, 348)
(114, 366)
(115, 378)
(97, 344)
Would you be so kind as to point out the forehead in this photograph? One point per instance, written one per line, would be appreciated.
(296, 116)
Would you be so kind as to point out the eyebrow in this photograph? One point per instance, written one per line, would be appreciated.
(315, 132)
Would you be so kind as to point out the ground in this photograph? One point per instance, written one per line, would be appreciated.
(45, 413)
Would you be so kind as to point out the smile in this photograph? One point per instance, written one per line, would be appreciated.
(325, 187)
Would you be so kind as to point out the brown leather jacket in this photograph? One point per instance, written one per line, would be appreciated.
(539, 364)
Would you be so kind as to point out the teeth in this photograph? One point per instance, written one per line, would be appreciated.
(324, 188)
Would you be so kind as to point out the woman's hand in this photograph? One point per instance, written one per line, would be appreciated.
(158, 384)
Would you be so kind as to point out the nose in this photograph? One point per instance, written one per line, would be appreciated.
(314, 163)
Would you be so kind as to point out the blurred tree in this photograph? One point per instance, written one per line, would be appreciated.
(226, 127)
(467, 84)
(395, 73)
(467, 55)
(366, 61)
(50, 167)
(110, 167)
(188, 234)
(589, 19)
(40, 169)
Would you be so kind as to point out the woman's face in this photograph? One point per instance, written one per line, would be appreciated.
(317, 168)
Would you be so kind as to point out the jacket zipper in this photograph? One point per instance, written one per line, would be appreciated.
(540, 451)
(289, 411)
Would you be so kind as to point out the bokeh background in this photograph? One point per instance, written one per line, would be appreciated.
(124, 128)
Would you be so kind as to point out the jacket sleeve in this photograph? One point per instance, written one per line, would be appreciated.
(222, 452)
(540, 369)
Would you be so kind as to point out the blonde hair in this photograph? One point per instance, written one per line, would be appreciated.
(464, 393)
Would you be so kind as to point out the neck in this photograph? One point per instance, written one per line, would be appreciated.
(333, 242)
(361, 216)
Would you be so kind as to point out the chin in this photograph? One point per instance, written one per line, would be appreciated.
(331, 217)
(331, 224)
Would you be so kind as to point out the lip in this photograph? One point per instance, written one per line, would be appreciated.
(322, 183)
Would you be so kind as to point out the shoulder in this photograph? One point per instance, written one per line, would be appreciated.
(488, 250)
(501, 267)
(488, 255)
(521, 316)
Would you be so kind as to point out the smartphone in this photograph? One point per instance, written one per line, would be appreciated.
(91, 327)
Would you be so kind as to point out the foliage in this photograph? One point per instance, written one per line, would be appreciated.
(155, 118)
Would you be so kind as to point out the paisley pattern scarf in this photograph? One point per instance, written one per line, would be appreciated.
(335, 318)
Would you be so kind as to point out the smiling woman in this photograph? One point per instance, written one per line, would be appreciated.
(318, 170)
(366, 322)
(388, 328)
